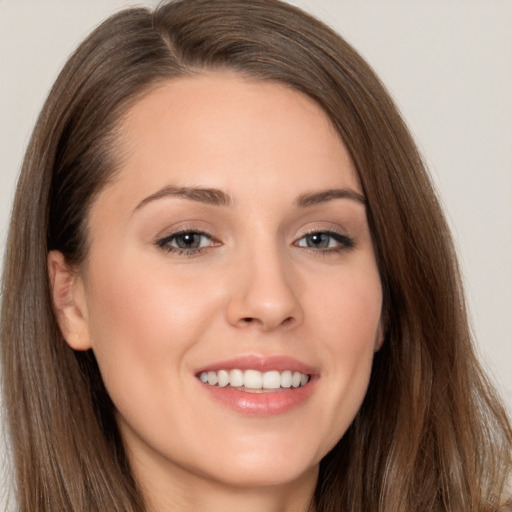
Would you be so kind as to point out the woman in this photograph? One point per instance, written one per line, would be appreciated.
(229, 284)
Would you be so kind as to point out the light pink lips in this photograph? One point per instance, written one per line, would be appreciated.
(268, 403)
(260, 363)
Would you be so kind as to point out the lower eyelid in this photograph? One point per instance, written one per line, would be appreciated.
(189, 253)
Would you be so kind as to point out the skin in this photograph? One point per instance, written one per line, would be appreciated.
(258, 287)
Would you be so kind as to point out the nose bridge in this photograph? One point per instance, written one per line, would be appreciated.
(264, 291)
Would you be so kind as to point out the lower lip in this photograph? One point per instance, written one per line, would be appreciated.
(261, 404)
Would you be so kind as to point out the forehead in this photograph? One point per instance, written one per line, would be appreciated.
(220, 129)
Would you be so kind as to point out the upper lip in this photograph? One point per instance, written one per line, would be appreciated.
(280, 363)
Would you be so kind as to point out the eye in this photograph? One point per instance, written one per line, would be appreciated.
(189, 242)
(325, 240)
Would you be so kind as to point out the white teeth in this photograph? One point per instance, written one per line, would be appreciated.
(295, 379)
(253, 379)
(286, 379)
(236, 378)
(223, 377)
(272, 380)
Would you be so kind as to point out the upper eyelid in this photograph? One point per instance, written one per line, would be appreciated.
(328, 231)
(185, 232)
(181, 231)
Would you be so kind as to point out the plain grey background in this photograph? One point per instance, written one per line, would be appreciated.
(447, 63)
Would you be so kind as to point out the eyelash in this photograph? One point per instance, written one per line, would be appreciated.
(165, 243)
(344, 242)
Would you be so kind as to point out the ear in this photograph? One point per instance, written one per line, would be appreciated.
(381, 335)
(379, 341)
(69, 302)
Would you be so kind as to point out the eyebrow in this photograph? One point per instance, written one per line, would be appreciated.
(216, 197)
(210, 196)
(324, 196)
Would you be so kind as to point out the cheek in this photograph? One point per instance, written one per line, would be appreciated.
(143, 326)
(355, 320)
(348, 309)
(347, 325)
(146, 304)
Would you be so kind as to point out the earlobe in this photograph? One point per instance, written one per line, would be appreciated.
(381, 335)
(379, 340)
(68, 301)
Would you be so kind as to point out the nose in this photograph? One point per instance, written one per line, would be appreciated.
(264, 293)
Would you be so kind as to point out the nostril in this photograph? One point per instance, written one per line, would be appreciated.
(248, 320)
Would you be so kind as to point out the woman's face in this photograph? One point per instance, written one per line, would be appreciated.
(233, 245)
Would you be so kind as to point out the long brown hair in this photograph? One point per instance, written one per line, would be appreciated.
(430, 436)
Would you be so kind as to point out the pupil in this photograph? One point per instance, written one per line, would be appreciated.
(188, 241)
(318, 240)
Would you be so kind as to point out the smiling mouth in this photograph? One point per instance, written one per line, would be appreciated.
(254, 381)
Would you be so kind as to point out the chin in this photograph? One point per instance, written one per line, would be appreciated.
(265, 469)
